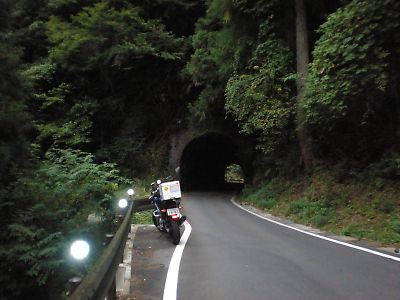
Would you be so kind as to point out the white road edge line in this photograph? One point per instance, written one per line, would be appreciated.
(319, 236)
(171, 283)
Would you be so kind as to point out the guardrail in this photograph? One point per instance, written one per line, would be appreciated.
(143, 204)
(100, 282)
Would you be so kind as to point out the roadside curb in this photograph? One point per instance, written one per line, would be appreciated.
(123, 275)
(124, 272)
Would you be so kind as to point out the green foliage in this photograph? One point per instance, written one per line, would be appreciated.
(210, 66)
(354, 230)
(115, 82)
(244, 68)
(313, 212)
(61, 119)
(388, 167)
(386, 205)
(106, 76)
(15, 124)
(350, 96)
(75, 173)
(103, 35)
(234, 173)
(390, 236)
(212, 59)
(395, 224)
(45, 210)
(127, 150)
(142, 217)
(266, 196)
(349, 207)
(262, 100)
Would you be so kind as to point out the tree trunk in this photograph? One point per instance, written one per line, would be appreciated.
(302, 57)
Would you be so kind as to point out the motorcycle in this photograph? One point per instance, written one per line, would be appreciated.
(166, 216)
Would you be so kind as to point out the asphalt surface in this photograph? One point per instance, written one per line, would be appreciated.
(151, 254)
(232, 254)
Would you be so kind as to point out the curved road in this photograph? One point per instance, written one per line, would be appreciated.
(232, 254)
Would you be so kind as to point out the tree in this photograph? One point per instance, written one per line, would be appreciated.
(352, 97)
(302, 59)
(15, 126)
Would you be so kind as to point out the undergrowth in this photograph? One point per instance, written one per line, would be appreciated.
(142, 217)
(358, 208)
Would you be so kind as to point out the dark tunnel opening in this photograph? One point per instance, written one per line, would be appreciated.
(204, 162)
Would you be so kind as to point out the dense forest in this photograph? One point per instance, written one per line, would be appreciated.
(88, 88)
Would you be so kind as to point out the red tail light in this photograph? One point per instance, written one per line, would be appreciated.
(175, 217)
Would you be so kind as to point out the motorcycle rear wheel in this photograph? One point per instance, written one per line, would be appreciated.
(175, 233)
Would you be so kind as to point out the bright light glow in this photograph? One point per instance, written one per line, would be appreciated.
(158, 181)
(79, 249)
(122, 203)
(131, 192)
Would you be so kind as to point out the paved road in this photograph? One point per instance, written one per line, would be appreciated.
(234, 255)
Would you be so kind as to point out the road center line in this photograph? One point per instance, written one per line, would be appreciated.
(319, 236)
(171, 283)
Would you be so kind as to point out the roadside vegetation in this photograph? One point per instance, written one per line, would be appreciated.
(234, 174)
(47, 210)
(92, 90)
(326, 125)
(142, 217)
(357, 207)
(142, 191)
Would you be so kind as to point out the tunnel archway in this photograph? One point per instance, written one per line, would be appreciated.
(205, 159)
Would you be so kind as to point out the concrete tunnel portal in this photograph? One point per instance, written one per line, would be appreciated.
(204, 161)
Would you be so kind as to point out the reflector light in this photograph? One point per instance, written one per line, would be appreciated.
(79, 249)
(123, 203)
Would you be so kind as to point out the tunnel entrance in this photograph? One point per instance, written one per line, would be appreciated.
(205, 160)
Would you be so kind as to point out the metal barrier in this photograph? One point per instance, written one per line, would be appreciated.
(100, 282)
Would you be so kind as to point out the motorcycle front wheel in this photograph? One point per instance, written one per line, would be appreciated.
(175, 233)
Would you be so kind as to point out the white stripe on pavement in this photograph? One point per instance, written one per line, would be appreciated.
(320, 236)
(171, 283)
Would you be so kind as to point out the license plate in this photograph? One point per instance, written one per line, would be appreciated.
(172, 211)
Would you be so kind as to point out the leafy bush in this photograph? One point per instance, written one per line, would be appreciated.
(103, 34)
(297, 206)
(316, 213)
(385, 205)
(43, 212)
(268, 203)
(354, 230)
(395, 225)
(388, 167)
(350, 102)
(261, 99)
(142, 217)
(264, 196)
